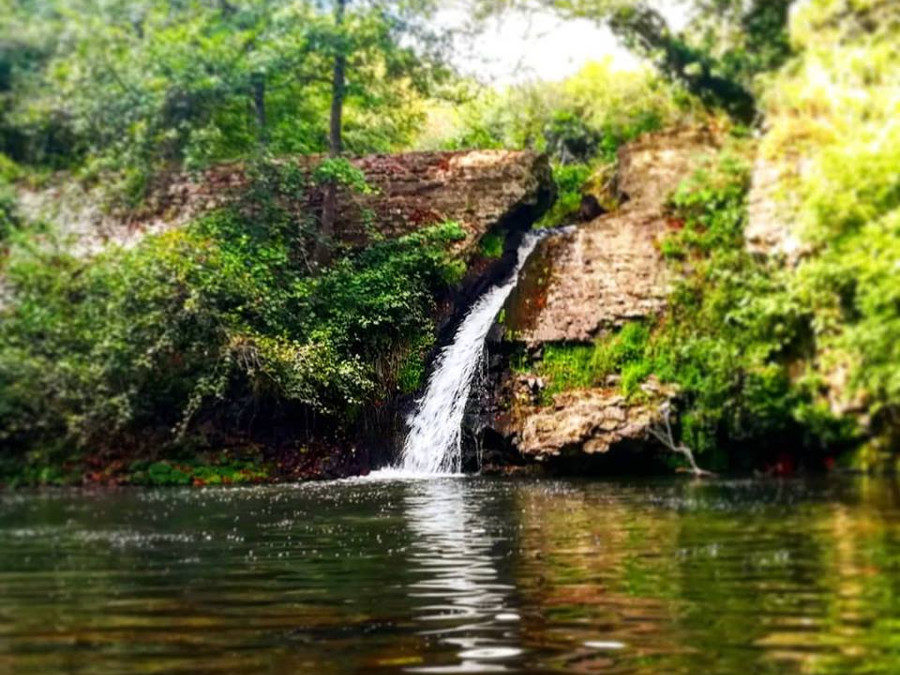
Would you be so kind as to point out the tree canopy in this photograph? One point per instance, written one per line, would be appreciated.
(724, 46)
(135, 85)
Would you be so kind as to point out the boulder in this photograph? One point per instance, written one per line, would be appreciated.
(585, 421)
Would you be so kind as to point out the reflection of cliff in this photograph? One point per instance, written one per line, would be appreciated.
(597, 578)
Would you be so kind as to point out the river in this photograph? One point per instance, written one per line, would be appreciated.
(454, 575)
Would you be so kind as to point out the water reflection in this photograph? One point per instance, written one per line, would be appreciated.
(456, 575)
(725, 577)
(458, 593)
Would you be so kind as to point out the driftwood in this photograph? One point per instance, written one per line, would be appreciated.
(667, 438)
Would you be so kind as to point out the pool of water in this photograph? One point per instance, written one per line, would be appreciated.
(454, 575)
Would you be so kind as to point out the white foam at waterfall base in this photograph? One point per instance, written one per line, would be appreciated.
(433, 445)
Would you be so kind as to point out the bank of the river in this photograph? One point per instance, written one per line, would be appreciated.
(198, 341)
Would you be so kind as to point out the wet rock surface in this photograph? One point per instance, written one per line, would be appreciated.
(591, 280)
(608, 271)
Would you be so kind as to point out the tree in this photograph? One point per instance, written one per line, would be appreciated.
(725, 45)
(137, 86)
(335, 138)
(368, 46)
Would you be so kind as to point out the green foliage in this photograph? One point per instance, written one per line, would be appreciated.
(582, 366)
(9, 218)
(835, 142)
(733, 337)
(718, 55)
(191, 472)
(584, 118)
(710, 206)
(217, 319)
(411, 372)
(9, 170)
(340, 171)
(570, 180)
(733, 332)
(492, 244)
(132, 88)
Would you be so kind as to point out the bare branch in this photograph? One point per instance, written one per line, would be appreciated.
(667, 438)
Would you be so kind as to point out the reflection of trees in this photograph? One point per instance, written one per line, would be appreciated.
(233, 581)
(695, 581)
(595, 569)
(861, 544)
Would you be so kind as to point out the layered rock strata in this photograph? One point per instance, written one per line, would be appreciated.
(584, 285)
(478, 189)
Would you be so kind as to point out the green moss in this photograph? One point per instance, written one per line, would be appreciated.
(567, 366)
(569, 179)
(192, 472)
(411, 372)
(492, 244)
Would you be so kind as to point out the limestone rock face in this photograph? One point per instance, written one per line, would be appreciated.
(585, 283)
(767, 231)
(411, 190)
(653, 165)
(580, 421)
(609, 271)
(478, 188)
(590, 280)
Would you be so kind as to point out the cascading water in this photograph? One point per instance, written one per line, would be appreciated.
(433, 445)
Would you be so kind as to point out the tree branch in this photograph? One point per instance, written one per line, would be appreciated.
(667, 438)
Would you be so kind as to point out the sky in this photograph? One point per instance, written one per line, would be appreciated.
(518, 47)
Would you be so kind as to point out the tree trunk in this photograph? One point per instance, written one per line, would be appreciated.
(335, 141)
(259, 106)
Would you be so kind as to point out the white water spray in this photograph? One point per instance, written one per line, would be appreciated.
(433, 445)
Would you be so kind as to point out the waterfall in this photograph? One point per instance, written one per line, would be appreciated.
(433, 445)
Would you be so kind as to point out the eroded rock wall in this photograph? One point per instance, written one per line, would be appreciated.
(410, 190)
(586, 284)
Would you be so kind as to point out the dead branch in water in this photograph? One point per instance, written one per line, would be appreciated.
(667, 438)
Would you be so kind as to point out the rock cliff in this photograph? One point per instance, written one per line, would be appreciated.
(585, 284)
(476, 188)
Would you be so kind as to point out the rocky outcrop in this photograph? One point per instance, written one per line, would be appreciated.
(586, 420)
(584, 284)
(602, 274)
(768, 231)
(590, 280)
(478, 189)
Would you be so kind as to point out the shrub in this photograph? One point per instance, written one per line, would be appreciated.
(570, 179)
(213, 319)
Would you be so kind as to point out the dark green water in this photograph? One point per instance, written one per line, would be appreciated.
(454, 575)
